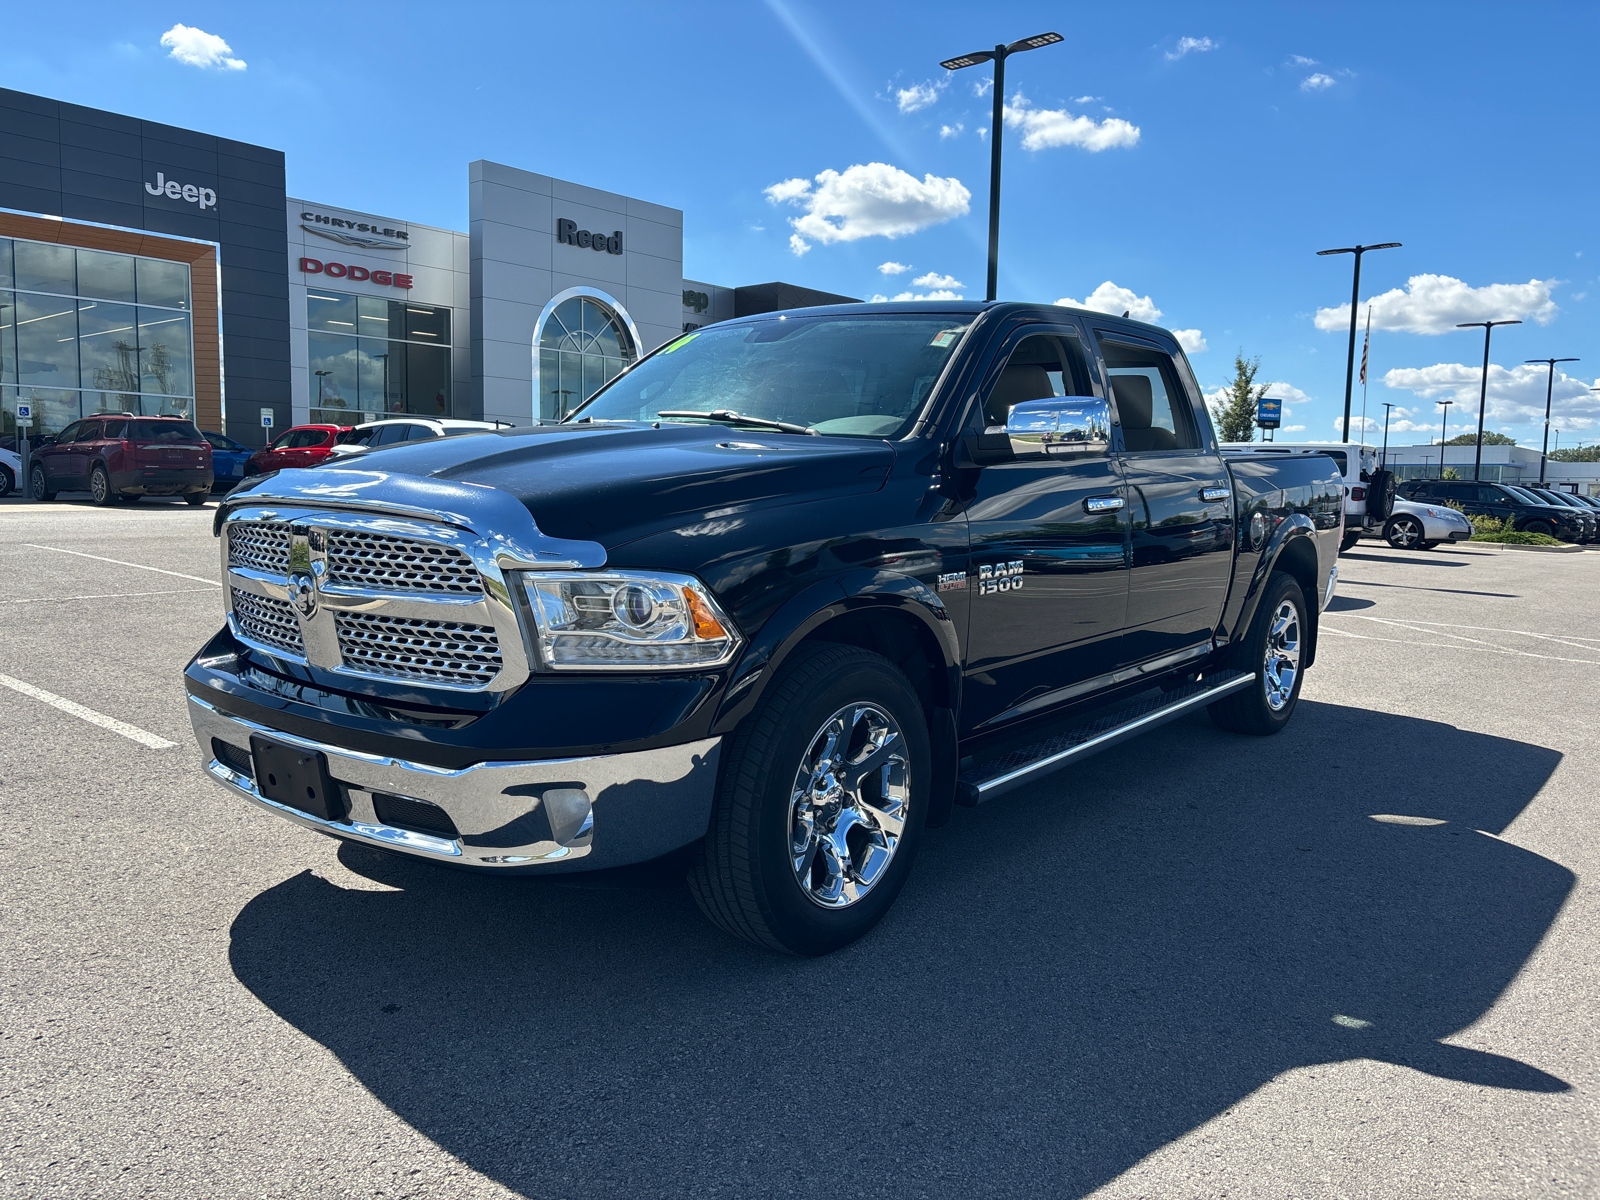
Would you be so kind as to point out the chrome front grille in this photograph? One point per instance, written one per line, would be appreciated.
(261, 545)
(268, 621)
(376, 560)
(452, 652)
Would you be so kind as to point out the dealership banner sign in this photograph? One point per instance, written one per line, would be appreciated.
(333, 270)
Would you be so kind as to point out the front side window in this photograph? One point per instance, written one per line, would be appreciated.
(856, 376)
(1152, 407)
(1041, 366)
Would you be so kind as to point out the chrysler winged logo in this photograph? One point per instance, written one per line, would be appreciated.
(364, 240)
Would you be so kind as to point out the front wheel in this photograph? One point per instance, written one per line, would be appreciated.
(38, 485)
(8, 482)
(1544, 527)
(1272, 650)
(1404, 533)
(821, 804)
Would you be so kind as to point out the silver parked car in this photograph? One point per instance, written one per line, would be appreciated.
(1413, 525)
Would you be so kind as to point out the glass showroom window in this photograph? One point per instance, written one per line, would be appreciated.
(87, 331)
(582, 346)
(372, 357)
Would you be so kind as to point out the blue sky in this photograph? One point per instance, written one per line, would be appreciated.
(1176, 158)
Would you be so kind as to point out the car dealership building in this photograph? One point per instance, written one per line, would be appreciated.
(146, 268)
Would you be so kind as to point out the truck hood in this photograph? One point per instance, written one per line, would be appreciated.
(614, 483)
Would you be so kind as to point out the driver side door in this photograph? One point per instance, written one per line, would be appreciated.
(1048, 580)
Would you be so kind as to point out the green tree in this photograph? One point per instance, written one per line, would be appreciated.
(1235, 416)
(1577, 454)
(1449, 473)
(1490, 438)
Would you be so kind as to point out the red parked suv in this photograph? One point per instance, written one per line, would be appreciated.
(122, 457)
(302, 446)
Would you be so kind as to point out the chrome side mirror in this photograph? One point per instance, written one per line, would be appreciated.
(1059, 426)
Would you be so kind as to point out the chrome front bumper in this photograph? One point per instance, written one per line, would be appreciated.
(557, 814)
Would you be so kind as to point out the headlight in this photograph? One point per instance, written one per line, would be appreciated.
(626, 621)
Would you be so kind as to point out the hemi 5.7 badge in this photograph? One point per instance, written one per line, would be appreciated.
(953, 581)
(999, 577)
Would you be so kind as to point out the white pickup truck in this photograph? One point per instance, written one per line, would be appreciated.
(1356, 462)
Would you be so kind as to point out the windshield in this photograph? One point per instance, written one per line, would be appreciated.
(164, 431)
(860, 376)
(357, 437)
(1526, 497)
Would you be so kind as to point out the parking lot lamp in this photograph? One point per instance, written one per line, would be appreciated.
(1483, 384)
(1444, 417)
(998, 56)
(1355, 299)
(1549, 387)
(321, 375)
(1384, 461)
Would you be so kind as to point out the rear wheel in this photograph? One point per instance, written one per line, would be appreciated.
(100, 487)
(1350, 539)
(1404, 533)
(821, 805)
(1272, 650)
(194, 498)
(38, 485)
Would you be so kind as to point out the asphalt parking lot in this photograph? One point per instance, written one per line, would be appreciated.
(1361, 959)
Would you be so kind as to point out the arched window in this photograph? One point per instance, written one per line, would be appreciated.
(584, 344)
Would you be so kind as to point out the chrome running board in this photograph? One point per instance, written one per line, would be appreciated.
(988, 778)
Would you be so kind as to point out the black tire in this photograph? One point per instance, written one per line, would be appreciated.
(1404, 532)
(8, 482)
(194, 499)
(1349, 540)
(1380, 495)
(37, 487)
(130, 497)
(1544, 527)
(1249, 710)
(100, 493)
(744, 877)
(1426, 545)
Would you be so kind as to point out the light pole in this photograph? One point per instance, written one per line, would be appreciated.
(1558, 441)
(1549, 388)
(1386, 413)
(1483, 385)
(998, 56)
(1444, 419)
(321, 375)
(1355, 299)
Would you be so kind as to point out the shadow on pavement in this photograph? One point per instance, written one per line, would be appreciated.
(1425, 559)
(1076, 976)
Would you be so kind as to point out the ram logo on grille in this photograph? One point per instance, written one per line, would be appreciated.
(361, 594)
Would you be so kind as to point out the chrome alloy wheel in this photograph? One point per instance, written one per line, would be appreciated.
(1282, 664)
(847, 808)
(99, 487)
(1405, 534)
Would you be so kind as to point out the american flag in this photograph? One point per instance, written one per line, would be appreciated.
(1364, 344)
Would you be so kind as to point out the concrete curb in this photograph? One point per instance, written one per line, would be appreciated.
(1535, 549)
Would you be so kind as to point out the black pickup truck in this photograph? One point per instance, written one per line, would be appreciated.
(774, 601)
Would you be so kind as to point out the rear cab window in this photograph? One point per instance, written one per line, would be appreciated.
(165, 431)
(1153, 408)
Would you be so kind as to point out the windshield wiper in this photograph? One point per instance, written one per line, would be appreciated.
(729, 417)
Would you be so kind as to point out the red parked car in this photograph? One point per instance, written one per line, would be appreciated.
(122, 457)
(302, 446)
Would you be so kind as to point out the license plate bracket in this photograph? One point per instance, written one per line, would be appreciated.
(297, 778)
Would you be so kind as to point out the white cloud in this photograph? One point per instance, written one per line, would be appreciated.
(941, 294)
(1192, 340)
(1291, 429)
(893, 268)
(1043, 128)
(1316, 83)
(1087, 99)
(920, 95)
(1516, 396)
(950, 131)
(1109, 298)
(935, 280)
(982, 86)
(868, 200)
(1288, 393)
(1437, 303)
(197, 48)
(1189, 45)
(983, 133)
(1300, 60)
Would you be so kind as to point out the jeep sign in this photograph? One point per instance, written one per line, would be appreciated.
(203, 196)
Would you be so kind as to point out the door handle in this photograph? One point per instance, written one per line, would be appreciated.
(1103, 504)
(1214, 493)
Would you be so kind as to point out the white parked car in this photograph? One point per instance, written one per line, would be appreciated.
(1356, 462)
(1413, 525)
(392, 432)
(10, 471)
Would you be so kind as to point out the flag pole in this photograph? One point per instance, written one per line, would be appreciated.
(1365, 343)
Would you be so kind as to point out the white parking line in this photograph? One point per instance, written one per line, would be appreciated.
(132, 732)
(1571, 639)
(108, 596)
(120, 563)
(1485, 649)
